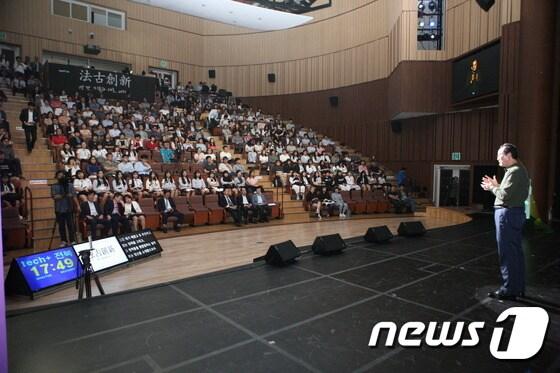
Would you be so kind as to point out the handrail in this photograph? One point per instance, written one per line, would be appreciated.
(28, 202)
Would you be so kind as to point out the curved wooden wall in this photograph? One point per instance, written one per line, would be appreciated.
(350, 43)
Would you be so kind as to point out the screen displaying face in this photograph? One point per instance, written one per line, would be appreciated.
(49, 268)
(106, 253)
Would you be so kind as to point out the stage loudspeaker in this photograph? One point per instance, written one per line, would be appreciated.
(327, 245)
(378, 234)
(333, 100)
(281, 253)
(212, 74)
(271, 78)
(396, 126)
(486, 4)
(411, 228)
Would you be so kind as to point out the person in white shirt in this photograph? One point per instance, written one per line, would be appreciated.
(133, 211)
(71, 167)
(114, 132)
(101, 184)
(168, 183)
(82, 185)
(126, 166)
(284, 157)
(100, 152)
(135, 184)
(198, 184)
(350, 183)
(225, 153)
(66, 153)
(297, 185)
(153, 185)
(119, 183)
(185, 184)
(142, 167)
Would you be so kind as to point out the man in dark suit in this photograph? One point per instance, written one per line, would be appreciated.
(114, 208)
(245, 206)
(92, 214)
(225, 200)
(261, 205)
(29, 121)
(167, 207)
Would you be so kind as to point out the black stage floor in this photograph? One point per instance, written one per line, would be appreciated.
(316, 315)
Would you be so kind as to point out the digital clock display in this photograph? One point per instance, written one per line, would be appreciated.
(49, 268)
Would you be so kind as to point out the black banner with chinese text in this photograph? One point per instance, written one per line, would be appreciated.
(112, 85)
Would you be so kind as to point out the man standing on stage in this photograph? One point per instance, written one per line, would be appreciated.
(509, 216)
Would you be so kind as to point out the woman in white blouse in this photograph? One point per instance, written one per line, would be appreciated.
(133, 212)
(101, 186)
(198, 183)
(71, 167)
(66, 153)
(213, 183)
(135, 184)
(119, 183)
(153, 185)
(82, 185)
(185, 184)
(350, 183)
(297, 185)
(83, 153)
(168, 183)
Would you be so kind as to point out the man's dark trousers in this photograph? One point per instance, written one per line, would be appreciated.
(509, 226)
(30, 136)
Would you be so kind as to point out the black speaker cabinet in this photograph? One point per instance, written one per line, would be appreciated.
(378, 234)
(333, 100)
(327, 245)
(396, 126)
(411, 229)
(271, 78)
(212, 74)
(486, 4)
(282, 253)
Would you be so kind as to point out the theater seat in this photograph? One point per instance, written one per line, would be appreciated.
(276, 210)
(383, 204)
(151, 213)
(346, 197)
(15, 233)
(371, 202)
(356, 196)
(217, 213)
(201, 212)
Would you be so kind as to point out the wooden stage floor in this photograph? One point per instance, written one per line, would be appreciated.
(187, 256)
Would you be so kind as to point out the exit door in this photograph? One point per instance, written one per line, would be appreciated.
(452, 185)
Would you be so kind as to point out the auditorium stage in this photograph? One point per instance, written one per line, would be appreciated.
(186, 256)
(315, 315)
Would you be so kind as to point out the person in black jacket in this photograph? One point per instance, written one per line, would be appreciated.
(92, 214)
(227, 202)
(29, 121)
(114, 208)
(167, 207)
(245, 207)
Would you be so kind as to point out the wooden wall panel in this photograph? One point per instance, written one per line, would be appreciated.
(362, 119)
(350, 43)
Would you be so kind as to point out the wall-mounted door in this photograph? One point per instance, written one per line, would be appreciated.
(10, 52)
(452, 185)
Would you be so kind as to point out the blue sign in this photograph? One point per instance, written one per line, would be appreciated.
(49, 268)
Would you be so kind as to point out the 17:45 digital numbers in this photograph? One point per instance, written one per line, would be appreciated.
(43, 269)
